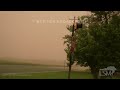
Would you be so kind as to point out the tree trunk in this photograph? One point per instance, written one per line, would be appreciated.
(94, 72)
(69, 73)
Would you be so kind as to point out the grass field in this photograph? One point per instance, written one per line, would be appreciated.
(39, 72)
(9, 70)
(47, 75)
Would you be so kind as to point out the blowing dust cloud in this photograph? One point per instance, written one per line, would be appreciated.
(36, 36)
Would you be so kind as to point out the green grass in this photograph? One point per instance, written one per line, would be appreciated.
(48, 75)
(19, 71)
(14, 70)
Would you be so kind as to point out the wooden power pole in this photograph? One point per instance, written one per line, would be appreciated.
(75, 26)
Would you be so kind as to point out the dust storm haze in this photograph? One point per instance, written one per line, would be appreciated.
(25, 38)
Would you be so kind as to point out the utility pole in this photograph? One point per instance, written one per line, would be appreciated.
(75, 26)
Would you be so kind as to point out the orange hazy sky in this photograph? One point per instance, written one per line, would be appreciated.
(22, 36)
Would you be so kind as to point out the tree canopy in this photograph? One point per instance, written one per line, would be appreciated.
(98, 42)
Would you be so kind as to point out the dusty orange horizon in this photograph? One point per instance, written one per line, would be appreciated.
(21, 36)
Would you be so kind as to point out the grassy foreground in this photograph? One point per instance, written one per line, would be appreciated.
(13, 70)
(47, 75)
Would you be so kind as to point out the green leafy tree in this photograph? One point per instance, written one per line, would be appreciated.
(99, 44)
